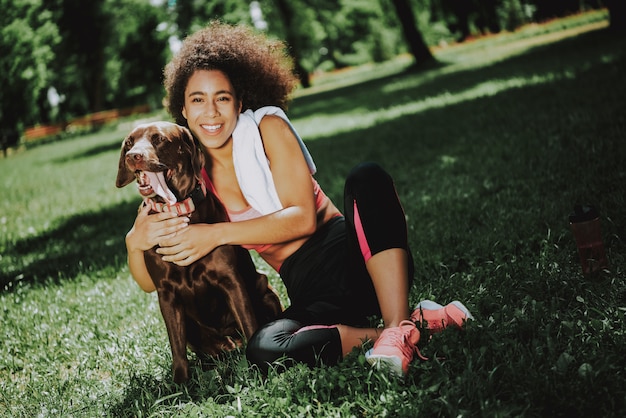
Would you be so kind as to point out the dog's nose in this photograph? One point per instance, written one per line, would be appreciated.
(135, 156)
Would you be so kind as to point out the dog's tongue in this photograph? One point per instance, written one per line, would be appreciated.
(157, 181)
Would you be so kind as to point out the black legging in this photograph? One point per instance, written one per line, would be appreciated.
(326, 279)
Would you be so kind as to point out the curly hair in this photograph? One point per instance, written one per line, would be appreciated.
(259, 68)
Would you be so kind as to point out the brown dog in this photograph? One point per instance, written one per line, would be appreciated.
(210, 304)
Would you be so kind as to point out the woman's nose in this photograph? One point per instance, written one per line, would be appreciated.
(212, 110)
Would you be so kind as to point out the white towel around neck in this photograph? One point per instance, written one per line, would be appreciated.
(251, 165)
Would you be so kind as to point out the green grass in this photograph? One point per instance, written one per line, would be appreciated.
(490, 152)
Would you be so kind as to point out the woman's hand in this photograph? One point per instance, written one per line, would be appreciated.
(148, 231)
(151, 230)
(189, 244)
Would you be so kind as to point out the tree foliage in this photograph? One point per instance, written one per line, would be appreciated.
(79, 74)
(28, 36)
(111, 55)
(102, 54)
(137, 55)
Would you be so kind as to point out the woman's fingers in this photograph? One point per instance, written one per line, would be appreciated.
(166, 227)
(172, 227)
(178, 255)
(155, 229)
(183, 258)
(185, 246)
(171, 235)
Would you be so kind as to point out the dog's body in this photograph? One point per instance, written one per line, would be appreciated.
(212, 303)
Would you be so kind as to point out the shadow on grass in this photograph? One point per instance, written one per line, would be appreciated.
(364, 94)
(211, 378)
(91, 152)
(83, 244)
(140, 395)
(587, 49)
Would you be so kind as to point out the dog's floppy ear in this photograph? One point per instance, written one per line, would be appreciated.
(124, 175)
(197, 156)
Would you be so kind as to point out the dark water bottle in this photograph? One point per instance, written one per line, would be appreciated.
(585, 224)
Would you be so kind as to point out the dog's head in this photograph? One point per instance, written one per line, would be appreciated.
(160, 150)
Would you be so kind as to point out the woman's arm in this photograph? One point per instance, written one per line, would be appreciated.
(296, 220)
(292, 179)
(137, 267)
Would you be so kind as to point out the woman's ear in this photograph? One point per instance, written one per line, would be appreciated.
(184, 112)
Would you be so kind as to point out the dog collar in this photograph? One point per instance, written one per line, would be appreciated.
(184, 207)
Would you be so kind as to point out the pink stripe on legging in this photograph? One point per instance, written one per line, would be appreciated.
(360, 234)
(314, 327)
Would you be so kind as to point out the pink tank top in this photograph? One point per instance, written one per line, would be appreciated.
(244, 215)
(252, 213)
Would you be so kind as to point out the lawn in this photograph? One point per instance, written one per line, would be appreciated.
(490, 151)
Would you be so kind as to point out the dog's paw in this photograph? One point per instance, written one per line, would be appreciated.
(181, 374)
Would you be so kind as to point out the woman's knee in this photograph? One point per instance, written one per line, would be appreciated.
(269, 343)
(286, 340)
(367, 176)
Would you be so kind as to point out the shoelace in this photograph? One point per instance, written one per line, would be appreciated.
(399, 338)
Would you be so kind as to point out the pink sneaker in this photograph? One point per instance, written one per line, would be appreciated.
(395, 347)
(436, 318)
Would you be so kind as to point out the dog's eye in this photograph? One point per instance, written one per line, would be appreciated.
(158, 138)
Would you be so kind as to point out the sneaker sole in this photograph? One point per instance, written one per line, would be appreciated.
(390, 363)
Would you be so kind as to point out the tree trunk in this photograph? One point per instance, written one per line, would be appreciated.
(413, 37)
(287, 15)
(617, 15)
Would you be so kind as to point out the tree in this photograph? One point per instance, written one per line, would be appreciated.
(413, 37)
(487, 16)
(357, 30)
(617, 15)
(292, 39)
(326, 34)
(111, 55)
(136, 55)
(25, 25)
(78, 73)
(192, 15)
(550, 9)
(460, 10)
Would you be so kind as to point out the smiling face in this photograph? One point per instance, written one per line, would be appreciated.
(211, 108)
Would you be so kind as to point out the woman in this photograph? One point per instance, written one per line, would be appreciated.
(338, 271)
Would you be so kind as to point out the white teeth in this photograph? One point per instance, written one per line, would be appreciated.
(212, 128)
